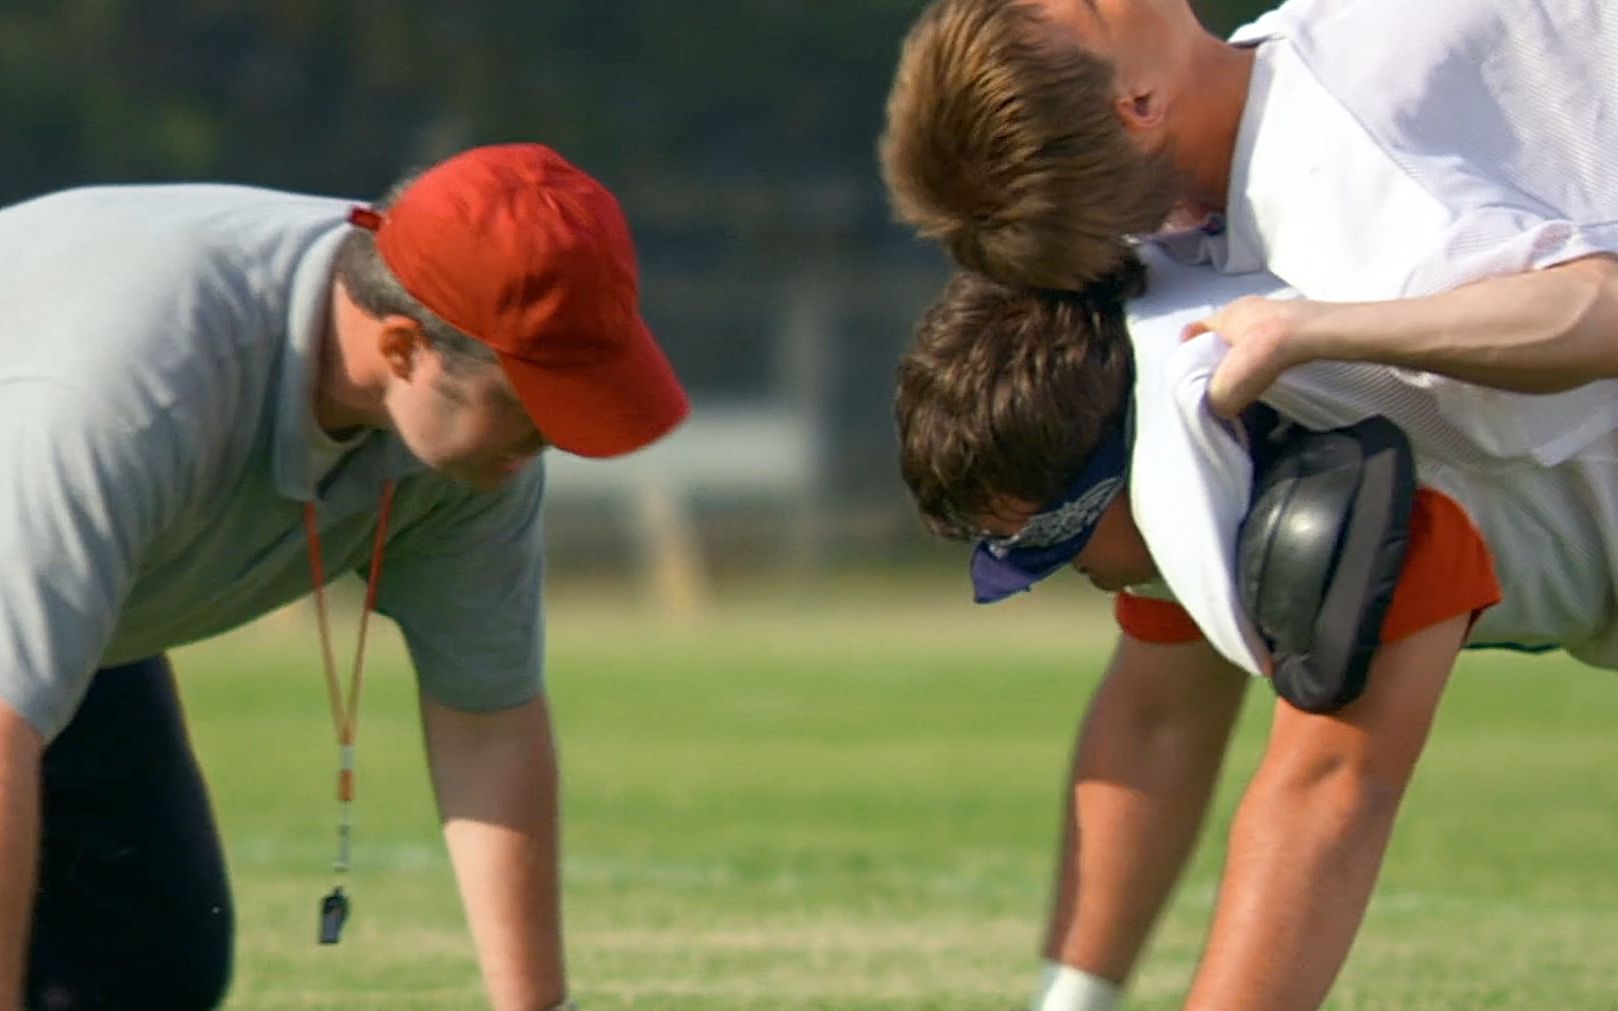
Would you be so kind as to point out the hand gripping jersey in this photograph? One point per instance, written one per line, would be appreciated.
(1550, 532)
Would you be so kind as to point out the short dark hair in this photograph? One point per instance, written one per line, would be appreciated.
(376, 290)
(1007, 391)
(1002, 143)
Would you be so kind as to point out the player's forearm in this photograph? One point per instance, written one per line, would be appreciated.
(1143, 776)
(1537, 332)
(21, 748)
(508, 883)
(1303, 861)
(495, 776)
(1133, 843)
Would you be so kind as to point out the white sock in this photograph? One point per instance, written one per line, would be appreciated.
(1064, 988)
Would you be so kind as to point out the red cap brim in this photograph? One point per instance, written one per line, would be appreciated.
(602, 408)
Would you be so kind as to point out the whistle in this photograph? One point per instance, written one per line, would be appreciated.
(333, 914)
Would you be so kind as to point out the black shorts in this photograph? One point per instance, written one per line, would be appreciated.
(133, 910)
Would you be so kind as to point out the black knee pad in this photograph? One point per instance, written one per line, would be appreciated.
(1320, 552)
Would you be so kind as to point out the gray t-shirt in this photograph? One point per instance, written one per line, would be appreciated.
(158, 351)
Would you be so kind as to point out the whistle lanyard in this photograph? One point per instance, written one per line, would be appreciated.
(345, 708)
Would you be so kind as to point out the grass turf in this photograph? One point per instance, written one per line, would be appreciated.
(849, 802)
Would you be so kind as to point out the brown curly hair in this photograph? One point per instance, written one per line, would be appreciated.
(1007, 391)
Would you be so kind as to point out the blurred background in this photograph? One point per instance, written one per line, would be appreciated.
(739, 135)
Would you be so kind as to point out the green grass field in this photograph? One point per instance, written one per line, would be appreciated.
(849, 802)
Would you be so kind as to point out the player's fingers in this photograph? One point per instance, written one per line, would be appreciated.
(1196, 329)
(1220, 397)
(1234, 385)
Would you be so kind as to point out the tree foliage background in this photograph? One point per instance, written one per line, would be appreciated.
(738, 133)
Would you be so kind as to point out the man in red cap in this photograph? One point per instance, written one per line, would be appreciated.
(250, 390)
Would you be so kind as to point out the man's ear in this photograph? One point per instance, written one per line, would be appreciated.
(400, 340)
(1144, 113)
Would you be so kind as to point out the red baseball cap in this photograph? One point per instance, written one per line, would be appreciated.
(516, 247)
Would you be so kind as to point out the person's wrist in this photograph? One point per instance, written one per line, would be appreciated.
(1064, 988)
(1317, 331)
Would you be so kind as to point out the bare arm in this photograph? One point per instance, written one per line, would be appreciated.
(1312, 829)
(21, 748)
(495, 777)
(1537, 332)
(1144, 768)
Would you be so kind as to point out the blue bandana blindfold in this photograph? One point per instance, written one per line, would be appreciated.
(1054, 536)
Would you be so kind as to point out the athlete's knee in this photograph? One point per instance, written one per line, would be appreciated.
(207, 967)
(188, 970)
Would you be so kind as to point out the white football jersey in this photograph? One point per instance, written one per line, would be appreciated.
(1393, 148)
(1552, 528)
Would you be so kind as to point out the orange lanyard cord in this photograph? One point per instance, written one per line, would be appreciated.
(317, 575)
(345, 711)
(351, 718)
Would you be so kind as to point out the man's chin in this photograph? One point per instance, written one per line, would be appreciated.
(1118, 582)
(477, 478)
(1187, 216)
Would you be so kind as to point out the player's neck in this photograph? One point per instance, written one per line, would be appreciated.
(350, 378)
(1212, 101)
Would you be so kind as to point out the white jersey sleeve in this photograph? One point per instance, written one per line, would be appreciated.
(1393, 149)
(1502, 111)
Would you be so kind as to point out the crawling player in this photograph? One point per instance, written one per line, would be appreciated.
(1055, 429)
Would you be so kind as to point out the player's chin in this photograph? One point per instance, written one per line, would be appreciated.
(1112, 582)
(479, 477)
(490, 482)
